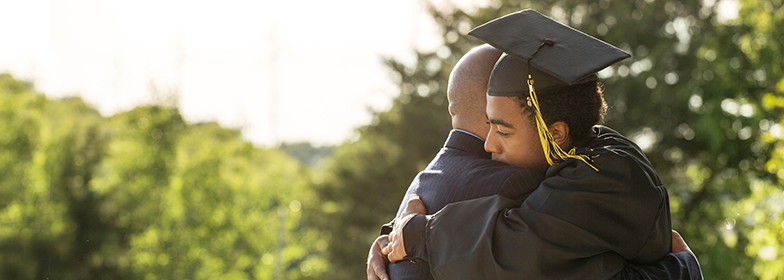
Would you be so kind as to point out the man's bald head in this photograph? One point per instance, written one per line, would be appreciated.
(467, 89)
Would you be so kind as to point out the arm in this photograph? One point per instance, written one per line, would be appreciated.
(491, 244)
(680, 264)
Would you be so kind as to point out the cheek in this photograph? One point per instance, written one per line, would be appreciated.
(518, 153)
(522, 148)
(527, 152)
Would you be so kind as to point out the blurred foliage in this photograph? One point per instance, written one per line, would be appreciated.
(143, 195)
(703, 97)
(306, 153)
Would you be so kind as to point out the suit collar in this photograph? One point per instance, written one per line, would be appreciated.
(466, 142)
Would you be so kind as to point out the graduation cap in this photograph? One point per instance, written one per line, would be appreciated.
(561, 56)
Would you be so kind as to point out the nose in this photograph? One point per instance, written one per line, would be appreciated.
(491, 144)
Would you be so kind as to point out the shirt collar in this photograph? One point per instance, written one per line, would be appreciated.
(469, 133)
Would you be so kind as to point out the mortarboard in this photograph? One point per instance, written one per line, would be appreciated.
(560, 55)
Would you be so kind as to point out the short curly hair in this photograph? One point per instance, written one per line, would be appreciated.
(580, 106)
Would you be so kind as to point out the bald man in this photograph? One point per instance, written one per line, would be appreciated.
(463, 170)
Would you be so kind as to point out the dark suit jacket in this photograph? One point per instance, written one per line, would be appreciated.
(462, 170)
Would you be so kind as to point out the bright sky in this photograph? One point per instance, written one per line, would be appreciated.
(323, 58)
(219, 57)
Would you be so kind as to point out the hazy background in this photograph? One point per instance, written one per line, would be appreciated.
(221, 58)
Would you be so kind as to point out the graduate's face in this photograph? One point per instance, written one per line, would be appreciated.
(513, 138)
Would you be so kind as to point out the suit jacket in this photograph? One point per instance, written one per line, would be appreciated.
(578, 224)
(461, 170)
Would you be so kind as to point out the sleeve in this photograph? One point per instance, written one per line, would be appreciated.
(496, 243)
(414, 238)
(681, 265)
(387, 228)
(516, 187)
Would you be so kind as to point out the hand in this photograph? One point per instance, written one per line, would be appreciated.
(414, 206)
(396, 249)
(377, 262)
(678, 245)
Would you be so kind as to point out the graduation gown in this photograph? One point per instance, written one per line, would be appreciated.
(578, 224)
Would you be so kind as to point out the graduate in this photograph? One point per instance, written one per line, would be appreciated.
(601, 205)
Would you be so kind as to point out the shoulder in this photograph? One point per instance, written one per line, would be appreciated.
(624, 174)
(615, 147)
(509, 181)
(497, 169)
(520, 184)
(499, 178)
(463, 169)
(617, 158)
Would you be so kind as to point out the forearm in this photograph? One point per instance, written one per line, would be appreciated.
(681, 265)
(489, 238)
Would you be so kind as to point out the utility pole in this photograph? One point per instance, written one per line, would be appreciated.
(179, 69)
(278, 270)
(274, 54)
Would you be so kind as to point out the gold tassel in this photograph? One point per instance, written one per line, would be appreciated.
(554, 154)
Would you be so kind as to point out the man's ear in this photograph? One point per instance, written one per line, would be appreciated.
(560, 132)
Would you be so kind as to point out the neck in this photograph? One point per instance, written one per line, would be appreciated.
(479, 132)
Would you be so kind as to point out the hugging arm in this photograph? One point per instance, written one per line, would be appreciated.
(478, 261)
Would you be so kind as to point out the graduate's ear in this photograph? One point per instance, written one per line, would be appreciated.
(560, 132)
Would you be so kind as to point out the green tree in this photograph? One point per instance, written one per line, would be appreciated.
(229, 209)
(50, 221)
(755, 59)
(144, 195)
(306, 153)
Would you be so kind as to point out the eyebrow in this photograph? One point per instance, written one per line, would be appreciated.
(501, 122)
(498, 122)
